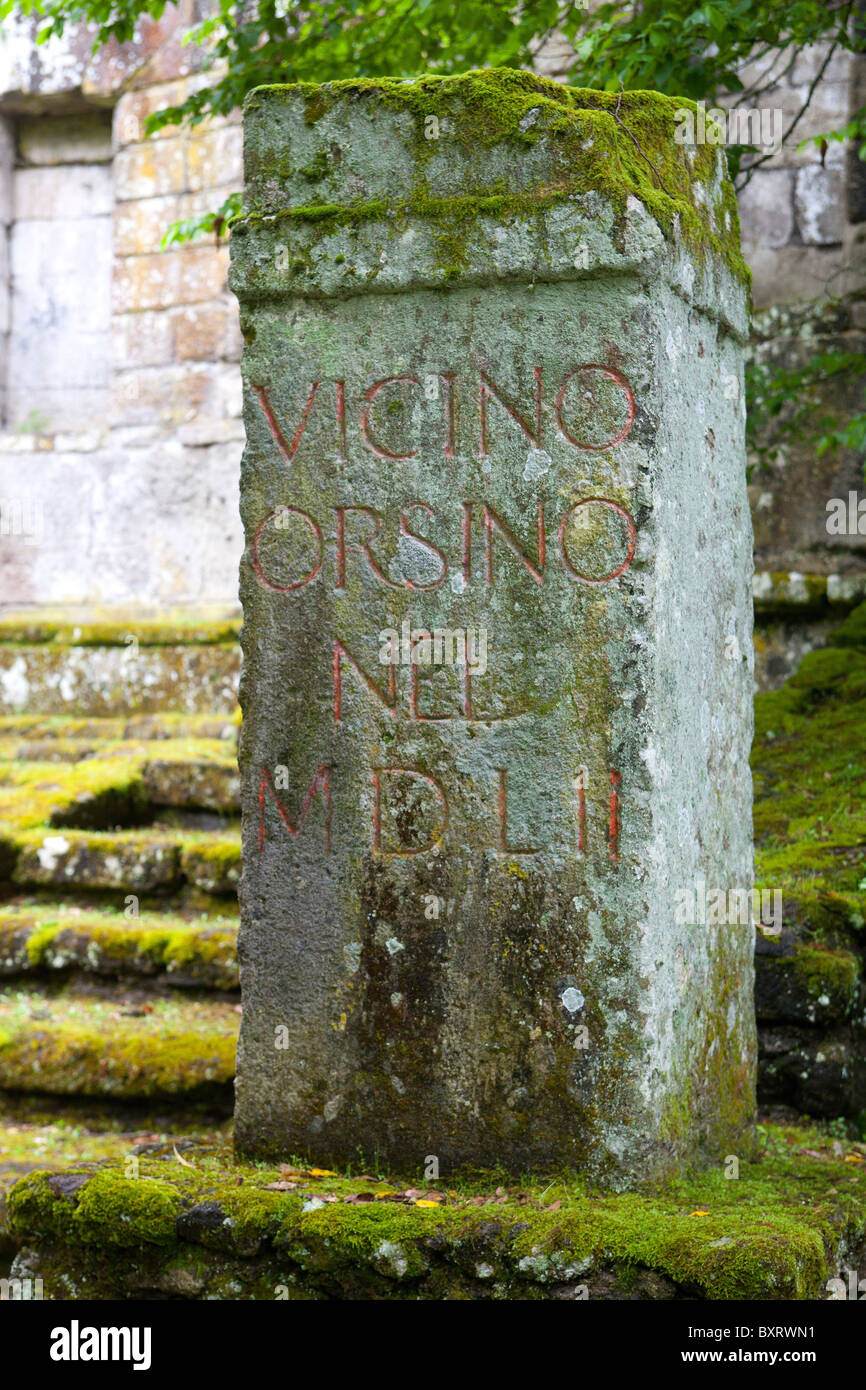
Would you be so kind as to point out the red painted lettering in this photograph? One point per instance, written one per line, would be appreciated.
(378, 773)
(487, 389)
(278, 516)
(632, 540)
(388, 702)
(320, 783)
(491, 520)
(630, 407)
(379, 449)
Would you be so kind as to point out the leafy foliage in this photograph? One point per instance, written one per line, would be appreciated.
(217, 222)
(679, 47)
(794, 398)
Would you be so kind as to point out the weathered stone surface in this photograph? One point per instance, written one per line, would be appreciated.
(145, 171)
(79, 139)
(819, 201)
(57, 368)
(766, 207)
(517, 414)
(792, 491)
(108, 680)
(38, 940)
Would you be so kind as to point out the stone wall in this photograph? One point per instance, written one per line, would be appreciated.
(121, 431)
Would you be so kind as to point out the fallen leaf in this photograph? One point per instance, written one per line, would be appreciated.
(500, 1192)
(321, 1173)
(554, 1206)
(281, 1187)
(423, 1202)
(699, 1213)
(182, 1160)
(853, 1158)
(359, 1197)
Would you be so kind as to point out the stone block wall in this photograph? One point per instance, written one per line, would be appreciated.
(121, 432)
(799, 235)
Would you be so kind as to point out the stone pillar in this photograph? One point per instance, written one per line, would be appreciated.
(497, 634)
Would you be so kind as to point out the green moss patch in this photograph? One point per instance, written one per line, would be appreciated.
(100, 730)
(200, 953)
(115, 628)
(212, 862)
(808, 764)
(776, 1231)
(620, 147)
(65, 1043)
(160, 858)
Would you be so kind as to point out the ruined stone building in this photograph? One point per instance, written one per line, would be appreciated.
(120, 393)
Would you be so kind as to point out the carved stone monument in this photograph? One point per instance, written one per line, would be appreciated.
(497, 631)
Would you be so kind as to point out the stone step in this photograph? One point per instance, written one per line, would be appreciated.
(49, 1134)
(118, 663)
(106, 680)
(95, 730)
(116, 784)
(159, 858)
(117, 627)
(79, 750)
(160, 948)
(115, 1043)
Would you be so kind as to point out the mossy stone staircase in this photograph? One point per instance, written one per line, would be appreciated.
(119, 864)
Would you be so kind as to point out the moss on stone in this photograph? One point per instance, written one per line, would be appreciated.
(795, 596)
(89, 793)
(117, 1211)
(198, 953)
(807, 761)
(620, 147)
(825, 971)
(68, 1044)
(212, 862)
(111, 627)
(104, 730)
(776, 1232)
